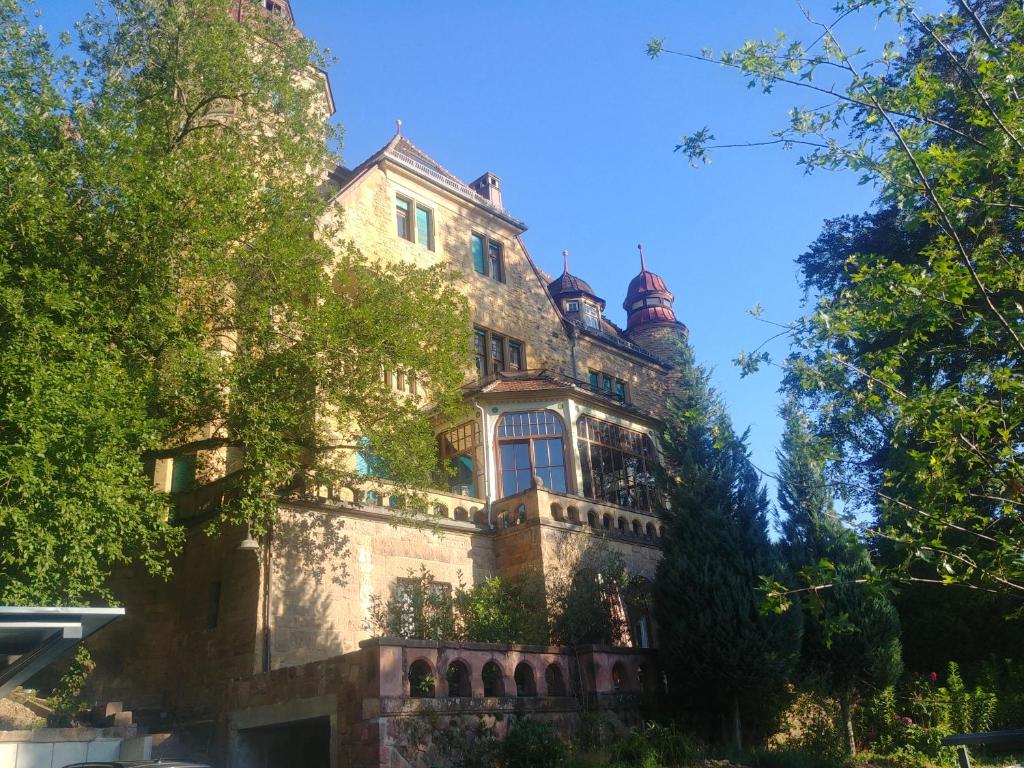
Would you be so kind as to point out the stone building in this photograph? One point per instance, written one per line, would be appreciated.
(261, 650)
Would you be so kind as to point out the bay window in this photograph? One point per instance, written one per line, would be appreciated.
(530, 443)
(618, 464)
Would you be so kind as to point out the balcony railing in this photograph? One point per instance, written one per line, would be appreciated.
(544, 506)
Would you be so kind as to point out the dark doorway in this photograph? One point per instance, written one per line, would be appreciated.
(306, 743)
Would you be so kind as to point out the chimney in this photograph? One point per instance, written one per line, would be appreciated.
(488, 186)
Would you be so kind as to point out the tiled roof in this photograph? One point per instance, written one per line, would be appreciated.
(542, 380)
(523, 385)
(568, 284)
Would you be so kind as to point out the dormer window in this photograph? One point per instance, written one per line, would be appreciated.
(274, 7)
(572, 306)
(591, 316)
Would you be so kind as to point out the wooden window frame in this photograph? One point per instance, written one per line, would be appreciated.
(429, 245)
(603, 383)
(506, 342)
(487, 243)
(529, 438)
(590, 437)
(412, 228)
(410, 218)
(462, 440)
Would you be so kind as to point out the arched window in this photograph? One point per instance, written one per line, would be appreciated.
(525, 684)
(459, 685)
(556, 511)
(461, 514)
(530, 443)
(651, 533)
(592, 519)
(460, 453)
(606, 521)
(623, 526)
(618, 464)
(421, 680)
(574, 515)
(554, 680)
(493, 679)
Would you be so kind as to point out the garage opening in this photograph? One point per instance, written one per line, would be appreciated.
(304, 742)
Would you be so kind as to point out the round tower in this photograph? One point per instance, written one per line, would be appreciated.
(652, 322)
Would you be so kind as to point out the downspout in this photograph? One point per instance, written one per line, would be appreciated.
(573, 335)
(268, 572)
(487, 461)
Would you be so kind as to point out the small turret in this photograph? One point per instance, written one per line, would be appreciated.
(651, 320)
(576, 298)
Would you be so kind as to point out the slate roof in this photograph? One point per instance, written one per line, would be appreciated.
(569, 284)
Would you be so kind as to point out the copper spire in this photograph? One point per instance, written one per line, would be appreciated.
(643, 266)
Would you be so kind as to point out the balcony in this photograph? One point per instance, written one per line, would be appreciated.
(536, 505)
(572, 512)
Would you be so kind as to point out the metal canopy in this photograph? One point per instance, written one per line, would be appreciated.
(32, 638)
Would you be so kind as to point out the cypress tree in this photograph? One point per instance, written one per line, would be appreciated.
(717, 644)
(851, 629)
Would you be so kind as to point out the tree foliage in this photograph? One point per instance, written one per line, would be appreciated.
(911, 359)
(495, 610)
(717, 644)
(166, 267)
(851, 641)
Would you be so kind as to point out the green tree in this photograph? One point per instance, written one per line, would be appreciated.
(173, 282)
(716, 642)
(587, 595)
(851, 641)
(911, 359)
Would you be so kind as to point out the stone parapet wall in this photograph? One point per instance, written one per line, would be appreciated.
(376, 723)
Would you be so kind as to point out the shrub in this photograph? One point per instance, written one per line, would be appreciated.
(533, 744)
(790, 757)
(633, 751)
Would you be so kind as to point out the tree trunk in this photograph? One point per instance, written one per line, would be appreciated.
(737, 729)
(847, 712)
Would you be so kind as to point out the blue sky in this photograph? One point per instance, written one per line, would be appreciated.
(560, 101)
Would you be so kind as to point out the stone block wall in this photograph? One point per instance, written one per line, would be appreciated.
(180, 641)
(376, 723)
(320, 594)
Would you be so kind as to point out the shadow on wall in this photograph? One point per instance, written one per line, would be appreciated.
(309, 560)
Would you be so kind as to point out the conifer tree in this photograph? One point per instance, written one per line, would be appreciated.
(851, 629)
(717, 644)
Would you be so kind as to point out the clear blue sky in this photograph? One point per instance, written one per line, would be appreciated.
(560, 101)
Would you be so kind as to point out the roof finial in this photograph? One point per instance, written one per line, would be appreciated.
(565, 261)
(398, 127)
(643, 266)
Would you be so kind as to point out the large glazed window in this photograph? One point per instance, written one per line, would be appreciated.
(618, 464)
(530, 443)
(462, 468)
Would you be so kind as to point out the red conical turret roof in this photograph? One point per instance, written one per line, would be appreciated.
(648, 299)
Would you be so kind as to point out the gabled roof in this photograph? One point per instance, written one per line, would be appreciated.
(402, 152)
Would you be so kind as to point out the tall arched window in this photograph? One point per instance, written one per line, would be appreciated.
(530, 443)
(618, 464)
